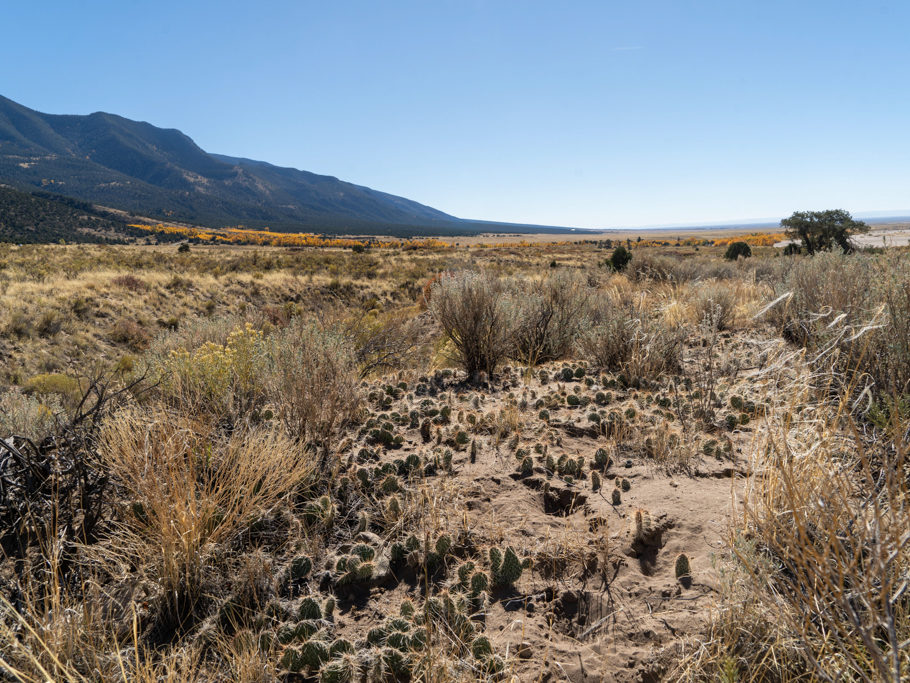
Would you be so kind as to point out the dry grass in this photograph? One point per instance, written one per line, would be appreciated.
(191, 489)
(297, 416)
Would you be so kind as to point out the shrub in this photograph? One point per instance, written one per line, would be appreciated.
(129, 333)
(619, 337)
(737, 249)
(620, 259)
(832, 548)
(715, 305)
(313, 381)
(478, 315)
(19, 325)
(130, 282)
(551, 314)
(49, 324)
(54, 384)
(28, 416)
(856, 311)
(224, 379)
(607, 338)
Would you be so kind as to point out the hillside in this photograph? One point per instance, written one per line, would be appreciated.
(40, 217)
(135, 166)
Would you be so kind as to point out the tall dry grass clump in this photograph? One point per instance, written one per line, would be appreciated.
(191, 489)
(478, 315)
(833, 518)
(853, 313)
(820, 575)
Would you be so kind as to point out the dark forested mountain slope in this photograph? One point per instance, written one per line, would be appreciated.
(135, 166)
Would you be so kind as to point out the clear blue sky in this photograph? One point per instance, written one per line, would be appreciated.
(593, 114)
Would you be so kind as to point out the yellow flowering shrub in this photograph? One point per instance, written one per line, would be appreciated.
(225, 379)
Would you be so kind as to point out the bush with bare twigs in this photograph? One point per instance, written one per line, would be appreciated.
(623, 336)
(477, 313)
(551, 313)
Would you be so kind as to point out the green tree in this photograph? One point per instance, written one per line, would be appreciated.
(620, 258)
(737, 249)
(822, 230)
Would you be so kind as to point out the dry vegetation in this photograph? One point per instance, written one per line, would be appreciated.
(261, 463)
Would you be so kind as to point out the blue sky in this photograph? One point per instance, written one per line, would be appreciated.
(594, 114)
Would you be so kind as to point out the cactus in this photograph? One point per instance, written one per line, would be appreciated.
(291, 660)
(418, 639)
(595, 481)
(393, 508)
(495, 559)
(465, 572)
(406, 610)
(527, 466)
(443, 544)
(481, 648)
(479, 583)
(426, 429)
(309, 609)
(353, 570)
(286, 633)
(573, 401)
(376, 636)
(340, 646)
(505, 567)
(682, 566)
(312, 654)
(328, 607)
(395, 664)
(473, 451)
(306, 629)
(364, 552)
(363, 521)
(602, 458)
(300, 567)
(319, 510)
(399, 640)
(626, 485)
(343, 669)
(616, 497)
(390, 484)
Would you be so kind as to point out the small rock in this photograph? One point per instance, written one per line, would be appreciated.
(524, 650)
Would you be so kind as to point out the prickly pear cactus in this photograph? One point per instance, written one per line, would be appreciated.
(683, 570)
(300, 567)
(309, 609)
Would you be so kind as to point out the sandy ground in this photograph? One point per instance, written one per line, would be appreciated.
(597, 605)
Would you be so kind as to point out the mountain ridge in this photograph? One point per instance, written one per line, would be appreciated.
(135, 166)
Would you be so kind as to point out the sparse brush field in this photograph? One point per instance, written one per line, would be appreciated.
(453, 464)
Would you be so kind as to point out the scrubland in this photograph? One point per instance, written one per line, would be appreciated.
(498, 463)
